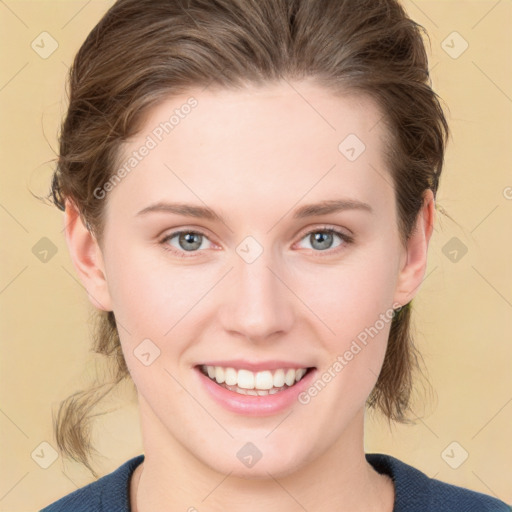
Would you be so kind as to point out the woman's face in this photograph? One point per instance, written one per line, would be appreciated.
(263, 287)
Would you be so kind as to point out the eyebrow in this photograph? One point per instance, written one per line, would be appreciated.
(308, 210)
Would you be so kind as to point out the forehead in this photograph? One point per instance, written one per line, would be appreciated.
(284, 139)
(302, 110)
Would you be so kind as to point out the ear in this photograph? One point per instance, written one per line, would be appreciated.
(414, 261)
(87, 258)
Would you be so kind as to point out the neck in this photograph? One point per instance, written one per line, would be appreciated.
(172, 478)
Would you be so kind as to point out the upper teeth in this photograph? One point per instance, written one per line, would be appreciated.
(255, 380)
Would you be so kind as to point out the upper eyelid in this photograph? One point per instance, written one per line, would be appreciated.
(326, 227)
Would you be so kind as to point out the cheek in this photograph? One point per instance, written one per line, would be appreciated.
(350, 296)
(150, 295)
(355, 306)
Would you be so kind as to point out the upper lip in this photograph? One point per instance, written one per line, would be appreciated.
(242, 364)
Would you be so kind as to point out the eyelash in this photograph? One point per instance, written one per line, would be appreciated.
(347, 240)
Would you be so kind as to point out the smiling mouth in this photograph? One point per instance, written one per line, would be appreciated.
(246, 382)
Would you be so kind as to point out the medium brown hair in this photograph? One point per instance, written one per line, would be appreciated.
(144, 51)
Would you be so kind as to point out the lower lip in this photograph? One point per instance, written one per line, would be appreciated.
(250, 405)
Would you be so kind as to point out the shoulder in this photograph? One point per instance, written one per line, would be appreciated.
(416, 492)
(110, 492)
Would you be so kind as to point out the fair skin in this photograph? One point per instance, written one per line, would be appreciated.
(254, 156)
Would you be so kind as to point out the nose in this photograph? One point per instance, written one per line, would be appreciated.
(259, 305)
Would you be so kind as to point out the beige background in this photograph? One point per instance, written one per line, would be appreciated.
(463, 312)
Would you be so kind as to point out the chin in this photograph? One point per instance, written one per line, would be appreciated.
(259, 460)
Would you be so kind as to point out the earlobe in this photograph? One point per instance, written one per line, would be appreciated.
(87, 258)
(413, 269)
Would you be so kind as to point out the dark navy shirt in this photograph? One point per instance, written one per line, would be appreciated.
(414, 491)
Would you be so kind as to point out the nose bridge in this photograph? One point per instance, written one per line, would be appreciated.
(260, 303)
